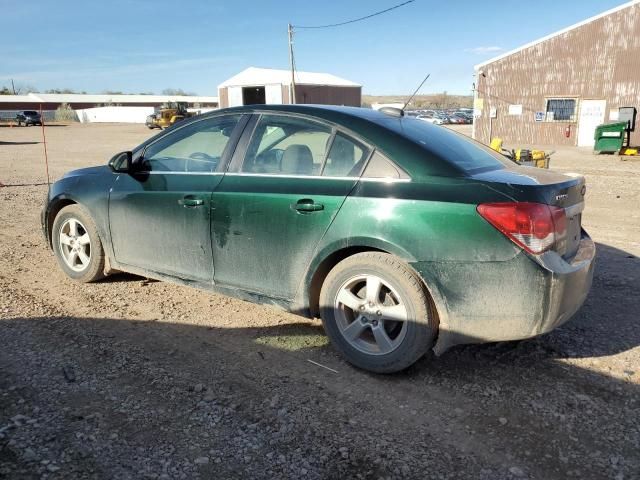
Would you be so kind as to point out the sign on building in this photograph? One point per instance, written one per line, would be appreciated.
(515, 109)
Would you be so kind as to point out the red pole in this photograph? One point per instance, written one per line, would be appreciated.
(44, 142)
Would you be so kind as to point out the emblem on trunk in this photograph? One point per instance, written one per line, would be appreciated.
(562, 196)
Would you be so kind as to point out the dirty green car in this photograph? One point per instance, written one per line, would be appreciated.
(402, 236)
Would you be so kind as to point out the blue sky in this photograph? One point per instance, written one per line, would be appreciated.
(148, 45)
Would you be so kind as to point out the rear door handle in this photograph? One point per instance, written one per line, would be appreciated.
(190, 201)
(307, 205)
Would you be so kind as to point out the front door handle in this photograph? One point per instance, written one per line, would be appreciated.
(307, 205)
(190, 201)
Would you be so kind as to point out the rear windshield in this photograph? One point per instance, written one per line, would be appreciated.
(30, 112)
(455, 148)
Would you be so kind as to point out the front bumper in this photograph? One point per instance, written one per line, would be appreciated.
(43, 224)
(524, 297)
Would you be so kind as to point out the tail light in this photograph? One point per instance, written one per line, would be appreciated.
(536, 227)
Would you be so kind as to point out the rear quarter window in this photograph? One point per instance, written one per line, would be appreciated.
(381, 167)
(455, 148)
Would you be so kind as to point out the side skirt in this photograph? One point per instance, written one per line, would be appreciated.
(238, 293)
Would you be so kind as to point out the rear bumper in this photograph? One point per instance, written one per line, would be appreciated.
(497, 301)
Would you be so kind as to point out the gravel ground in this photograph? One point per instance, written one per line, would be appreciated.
(130, 378)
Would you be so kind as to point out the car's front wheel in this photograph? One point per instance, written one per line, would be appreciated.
(376, 312)
(77, 245)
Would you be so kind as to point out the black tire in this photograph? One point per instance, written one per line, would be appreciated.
(401, 281)
(94, 268)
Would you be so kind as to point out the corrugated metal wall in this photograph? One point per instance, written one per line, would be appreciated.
(598, 60)
(324, 95)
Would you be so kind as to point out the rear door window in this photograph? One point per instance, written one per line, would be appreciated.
(346, 157)
(284, 145)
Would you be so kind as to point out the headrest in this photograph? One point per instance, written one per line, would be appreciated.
(297, 160)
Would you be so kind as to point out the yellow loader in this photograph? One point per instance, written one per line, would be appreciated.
(167, 115)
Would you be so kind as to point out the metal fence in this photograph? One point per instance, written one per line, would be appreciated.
(10, 115)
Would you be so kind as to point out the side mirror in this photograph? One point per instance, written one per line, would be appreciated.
(122, 162)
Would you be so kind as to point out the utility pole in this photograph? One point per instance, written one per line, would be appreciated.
(292, 87)
(13, 87)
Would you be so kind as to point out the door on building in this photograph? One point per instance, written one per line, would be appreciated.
(253, 96)
(235, 96)
(591, 115)
(273, 94)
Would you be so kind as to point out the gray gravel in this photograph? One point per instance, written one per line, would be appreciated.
(135, 379)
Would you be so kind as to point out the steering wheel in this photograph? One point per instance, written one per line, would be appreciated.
(157, 165)
(201, 156)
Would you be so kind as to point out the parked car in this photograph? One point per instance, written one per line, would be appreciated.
(467, 117)
(402, 236)
(456, 120)
(430, 119)
(443, 117)
(28, 118)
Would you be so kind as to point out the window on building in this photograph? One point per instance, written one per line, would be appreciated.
(561, 109)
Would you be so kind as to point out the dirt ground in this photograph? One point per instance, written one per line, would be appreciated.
(129, 378)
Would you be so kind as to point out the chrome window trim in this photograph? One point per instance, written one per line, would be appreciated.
(177, 173)
(318, 177)
(266, 175)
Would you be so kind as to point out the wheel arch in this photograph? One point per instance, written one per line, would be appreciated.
(333, 254)
(55, 206)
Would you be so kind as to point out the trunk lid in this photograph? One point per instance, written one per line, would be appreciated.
(530, 184)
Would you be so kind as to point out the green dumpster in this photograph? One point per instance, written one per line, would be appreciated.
(610, 137)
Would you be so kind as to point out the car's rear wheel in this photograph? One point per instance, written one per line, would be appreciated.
(77, 245)
(377, 313)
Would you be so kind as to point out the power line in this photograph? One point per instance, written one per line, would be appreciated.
(355, 19)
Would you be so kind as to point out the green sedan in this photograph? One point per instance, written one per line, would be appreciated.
(402, 236)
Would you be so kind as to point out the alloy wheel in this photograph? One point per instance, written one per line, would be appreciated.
(75, 245)
(370, 314)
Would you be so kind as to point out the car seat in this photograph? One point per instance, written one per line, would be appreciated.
(297, 160)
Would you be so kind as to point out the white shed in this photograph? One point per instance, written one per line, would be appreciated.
(255, 86)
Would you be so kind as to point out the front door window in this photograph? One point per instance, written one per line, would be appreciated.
(197, 147)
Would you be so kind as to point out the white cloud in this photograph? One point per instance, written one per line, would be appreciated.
(484, 50)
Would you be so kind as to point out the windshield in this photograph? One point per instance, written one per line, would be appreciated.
(30, 113)
(453, 147)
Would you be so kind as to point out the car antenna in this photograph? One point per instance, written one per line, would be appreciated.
(414, 93)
